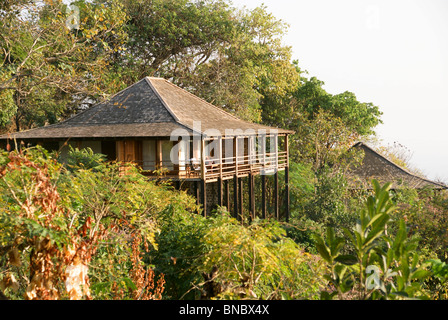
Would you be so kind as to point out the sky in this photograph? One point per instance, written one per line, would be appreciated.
(392, 53)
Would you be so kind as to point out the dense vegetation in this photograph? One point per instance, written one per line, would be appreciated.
(136, 239)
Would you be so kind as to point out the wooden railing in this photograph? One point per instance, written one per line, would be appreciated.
(266, 163)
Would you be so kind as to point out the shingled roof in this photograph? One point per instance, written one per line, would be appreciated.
(376, 166)
(152, 107)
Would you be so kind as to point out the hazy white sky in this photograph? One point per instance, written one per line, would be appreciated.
(391, 53)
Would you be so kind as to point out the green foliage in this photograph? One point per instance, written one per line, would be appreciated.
(180, 246)
(356, 116)
(325, 125)
(84, 159)
(396, 266)
(438, 284)
(259, 262)
(96, 217)
(323, 201)
(219, 258)
(227, 56)
(47, 69)
(425, 212)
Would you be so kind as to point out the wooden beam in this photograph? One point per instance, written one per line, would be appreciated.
(287, 196)
(240, 196)
(287, 200)
(220, 157)
(227, 194)
(276, 211)
(263, 196)
(203, 168)
(276, 152)
(159, 155)
(235, 196)
(251, 197)
(235, 153)
(204, 197)
(220, 192)
(196, 192)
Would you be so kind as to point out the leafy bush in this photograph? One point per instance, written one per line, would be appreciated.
(382, 266)
(220, 258)
(258, 261)
(84, 159)
(326, 202)
(97, 223)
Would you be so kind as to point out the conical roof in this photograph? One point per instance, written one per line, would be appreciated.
(152, 107)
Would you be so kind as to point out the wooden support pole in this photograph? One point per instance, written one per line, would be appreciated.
(204, 197)
(287, 197)
(276, 202)
(220, 192)
(250, 187)
(287, 213)
(203, 168)
(263, 196)
(235, 153)
(227, 195)
(235, 178)
(159, 155)
(196, 192)
(220, 157)
(240, 196)
(235, 196)
(251, 197)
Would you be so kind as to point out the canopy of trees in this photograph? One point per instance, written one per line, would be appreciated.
(139, 240)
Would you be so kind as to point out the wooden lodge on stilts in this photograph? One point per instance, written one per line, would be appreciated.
(220, 159)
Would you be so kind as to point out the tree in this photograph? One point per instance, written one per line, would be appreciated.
(46, 68)
(227, 56)
(325, 125)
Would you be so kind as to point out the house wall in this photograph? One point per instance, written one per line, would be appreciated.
(149, 154)
(166, 154)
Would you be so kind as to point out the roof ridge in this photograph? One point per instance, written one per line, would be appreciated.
(173, 114)
(397, 166)
(201, 99)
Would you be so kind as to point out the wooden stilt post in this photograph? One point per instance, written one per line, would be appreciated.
(204, 196)
(251, 197)
(276, 200)
(220, 192)
(235, 196)
(287, 199)
(220, 157)
(226, 183)
(196, 192)
(263, 196)
(287, 194)
(203, 177)
(276, 211)
(235, 178)
(240, 196)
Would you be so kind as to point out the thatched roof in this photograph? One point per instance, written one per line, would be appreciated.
(152, 107)
(376, 166)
